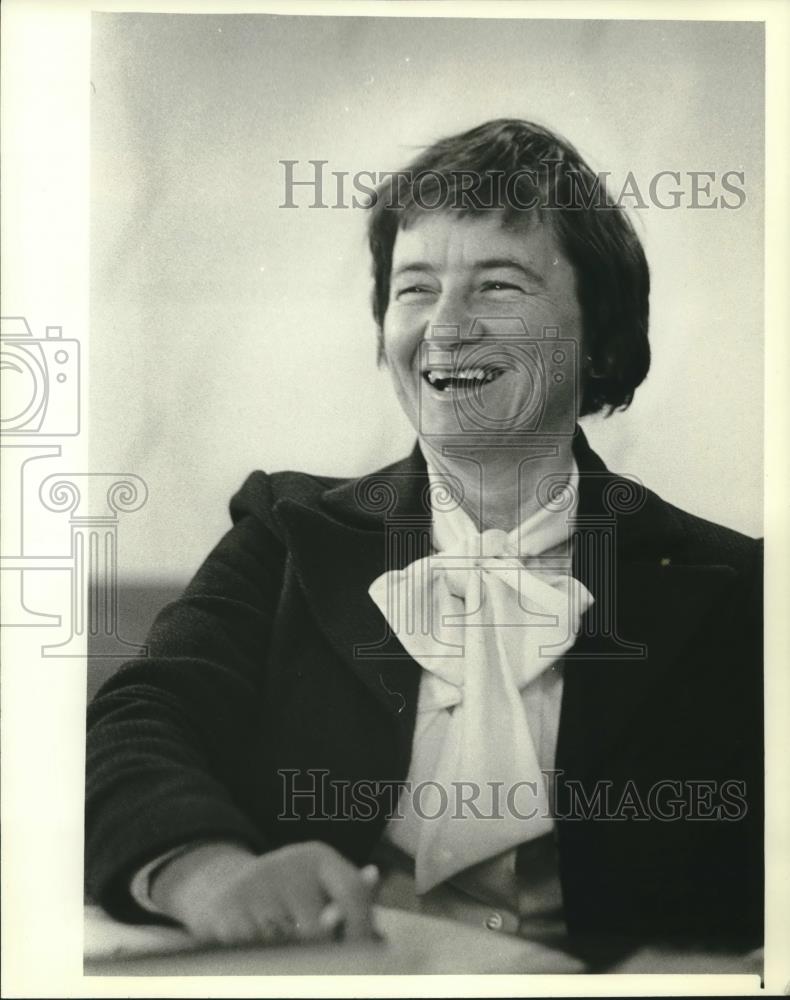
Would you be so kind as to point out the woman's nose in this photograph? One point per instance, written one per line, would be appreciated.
(450, 319)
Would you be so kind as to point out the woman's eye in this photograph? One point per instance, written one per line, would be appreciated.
(500, 286)
(411, 291)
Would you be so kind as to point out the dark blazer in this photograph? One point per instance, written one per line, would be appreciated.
(276, 662)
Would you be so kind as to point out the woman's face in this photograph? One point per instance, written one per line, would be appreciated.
(483, 332)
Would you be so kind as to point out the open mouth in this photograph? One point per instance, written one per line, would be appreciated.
(451, 380)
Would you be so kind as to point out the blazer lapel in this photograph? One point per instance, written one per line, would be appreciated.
(647, 603)
(363, 528)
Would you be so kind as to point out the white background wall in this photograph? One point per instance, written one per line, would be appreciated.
(229, 334)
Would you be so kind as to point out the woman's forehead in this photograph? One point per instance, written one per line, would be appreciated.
(471, 238)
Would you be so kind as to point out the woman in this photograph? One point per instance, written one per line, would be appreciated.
(491, 681)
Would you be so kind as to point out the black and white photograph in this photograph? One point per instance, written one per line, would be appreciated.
(392, 499)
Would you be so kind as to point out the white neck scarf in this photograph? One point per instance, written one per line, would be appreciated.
(484, 617)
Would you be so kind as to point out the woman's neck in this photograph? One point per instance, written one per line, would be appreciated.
(500, 485)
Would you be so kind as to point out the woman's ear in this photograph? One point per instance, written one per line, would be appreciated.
(381, 356)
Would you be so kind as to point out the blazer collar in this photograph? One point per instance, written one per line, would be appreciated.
(372, 502)
(398, 494)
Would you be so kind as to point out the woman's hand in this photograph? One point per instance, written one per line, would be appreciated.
(222, 893)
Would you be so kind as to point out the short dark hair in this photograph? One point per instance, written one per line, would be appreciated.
(518, 167)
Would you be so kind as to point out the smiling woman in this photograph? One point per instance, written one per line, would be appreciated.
(449, 273)
(493, 674)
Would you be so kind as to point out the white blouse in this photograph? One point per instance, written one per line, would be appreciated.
(488, 616)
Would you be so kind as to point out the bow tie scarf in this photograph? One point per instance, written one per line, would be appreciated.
(483, 626)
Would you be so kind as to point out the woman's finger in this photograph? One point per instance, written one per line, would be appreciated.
(331, 922)
(275, 927)
(238, 929)
(306, 902)
(353, 895)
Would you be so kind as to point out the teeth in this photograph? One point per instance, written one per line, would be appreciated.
(462, 375)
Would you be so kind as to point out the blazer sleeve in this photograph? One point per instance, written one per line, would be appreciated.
(168, 733)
